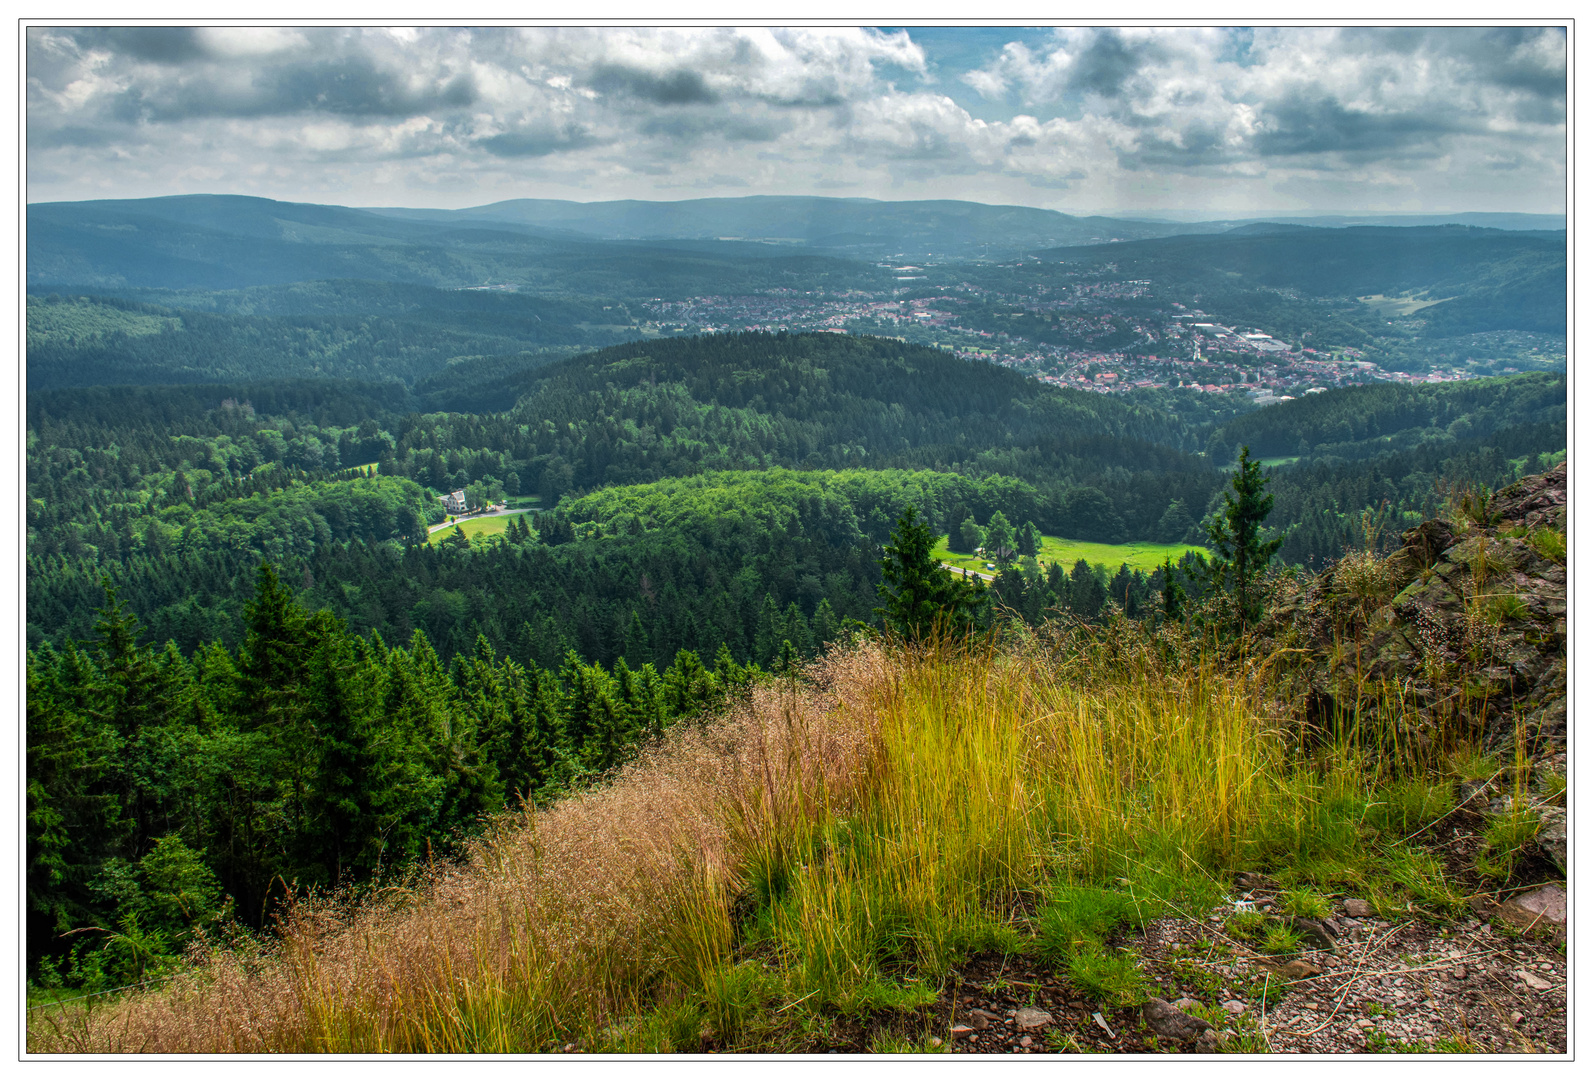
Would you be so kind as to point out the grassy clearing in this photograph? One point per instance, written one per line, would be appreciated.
(473, 528)
(1274, 462)
(827, 852)
(1396, 305)
(1140, 555)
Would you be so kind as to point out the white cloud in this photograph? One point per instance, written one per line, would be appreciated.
(1113, 117)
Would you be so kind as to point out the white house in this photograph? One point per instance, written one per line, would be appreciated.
(454, 502)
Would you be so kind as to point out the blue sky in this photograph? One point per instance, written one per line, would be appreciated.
(1228, 121)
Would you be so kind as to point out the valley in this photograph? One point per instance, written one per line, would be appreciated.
(267, 675)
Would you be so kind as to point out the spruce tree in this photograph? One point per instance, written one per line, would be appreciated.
(1240, 555)
(920, 596)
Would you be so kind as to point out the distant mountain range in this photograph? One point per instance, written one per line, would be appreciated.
(703, 246)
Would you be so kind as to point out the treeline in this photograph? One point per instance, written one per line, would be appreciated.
(168, 790)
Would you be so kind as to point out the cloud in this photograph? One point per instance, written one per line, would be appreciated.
(346, 114)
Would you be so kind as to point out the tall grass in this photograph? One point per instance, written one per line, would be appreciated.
(831, 848)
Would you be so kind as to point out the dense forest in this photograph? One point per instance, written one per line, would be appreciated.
(253, 670)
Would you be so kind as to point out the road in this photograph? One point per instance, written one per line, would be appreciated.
(472, 517)
(975, 573)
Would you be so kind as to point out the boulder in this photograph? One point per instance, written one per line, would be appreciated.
(1171, 1023)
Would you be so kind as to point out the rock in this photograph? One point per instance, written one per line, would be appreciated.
(1032, 1019)
(1234, 1007)
(962, 1031)
(1171, 1023)
(1208, 1042)
(1357, 908)
(1542, 908)
(977, 1020)
(1026, 1041)
(1319, 932)
(1551, 835)
(935, 1040)
(1533, 981)
(1516, 1018)
(1364, 1024)
(1185, 1003)
(1459, 973)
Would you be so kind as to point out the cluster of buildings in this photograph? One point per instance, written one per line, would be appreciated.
(1177, 347)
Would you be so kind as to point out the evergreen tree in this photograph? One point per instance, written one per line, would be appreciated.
(920, 596)
(1240, 555)
(1173, 595)
(766, 638)
(826, 627)
(1029, 540)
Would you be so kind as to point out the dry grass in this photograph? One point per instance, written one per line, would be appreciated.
(560, 921)
(828, 849)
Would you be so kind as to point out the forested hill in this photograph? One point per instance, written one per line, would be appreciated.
(1364, 421)
(1488, 279)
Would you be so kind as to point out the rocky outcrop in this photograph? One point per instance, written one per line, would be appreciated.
(1464, 624)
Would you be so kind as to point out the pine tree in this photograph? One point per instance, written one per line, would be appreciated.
(920, 596)
(1240, 555)
(1029, 540)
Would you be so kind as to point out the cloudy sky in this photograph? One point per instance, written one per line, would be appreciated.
(1225, 121)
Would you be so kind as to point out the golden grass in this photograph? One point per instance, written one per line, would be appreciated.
(825, 849)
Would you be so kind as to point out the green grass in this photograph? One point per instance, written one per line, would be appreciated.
(1274, 462)
(826, 862)
(474, 527)
(1140, 555)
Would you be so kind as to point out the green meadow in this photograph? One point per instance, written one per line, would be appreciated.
(474, 527)
(1139, 555)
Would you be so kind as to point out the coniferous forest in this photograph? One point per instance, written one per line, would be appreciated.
(264, 661)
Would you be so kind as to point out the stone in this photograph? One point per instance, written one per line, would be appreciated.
(1172, 1023)
(1516, 1017)
(978, 1020)
(1459, 972)
(1319, 932)
(1551, 835)
(936, 1040)
(1357, 908)
(1234, 1007)
(1026, 1041)
(1533, 981)
(1185, 1003)
(1032, 1019)
(962, 1031)
(1208, 1042)
(1542, 908)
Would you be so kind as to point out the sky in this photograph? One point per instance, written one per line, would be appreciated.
(1226, 121)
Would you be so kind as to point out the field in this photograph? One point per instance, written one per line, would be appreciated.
(474, 527)
(1396, 305)
(1139, 555)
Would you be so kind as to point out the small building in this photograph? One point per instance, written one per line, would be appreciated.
(454, 502)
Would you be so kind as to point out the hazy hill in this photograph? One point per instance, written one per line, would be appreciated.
(1487, 278)
(942, 227)
(234, 242)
